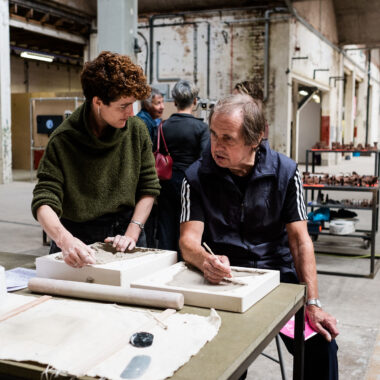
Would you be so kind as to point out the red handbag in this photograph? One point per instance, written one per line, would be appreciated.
(164, 162)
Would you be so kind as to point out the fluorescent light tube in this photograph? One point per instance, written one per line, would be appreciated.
(38, 56)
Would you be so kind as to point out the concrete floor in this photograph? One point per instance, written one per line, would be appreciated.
(353, 301)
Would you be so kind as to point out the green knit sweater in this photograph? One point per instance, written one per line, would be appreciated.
(82, 177)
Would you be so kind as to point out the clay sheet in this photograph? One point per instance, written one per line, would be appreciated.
(64, 334)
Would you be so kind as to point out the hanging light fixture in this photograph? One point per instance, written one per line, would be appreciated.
(37, 56)
(316, 98)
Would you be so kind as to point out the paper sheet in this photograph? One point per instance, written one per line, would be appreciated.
(288, 329)
(18, 278)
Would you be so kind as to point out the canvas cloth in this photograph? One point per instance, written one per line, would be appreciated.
(67, 334)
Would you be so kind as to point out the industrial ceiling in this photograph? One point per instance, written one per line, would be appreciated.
(62, 27)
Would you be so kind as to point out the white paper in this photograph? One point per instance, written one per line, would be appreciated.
(18, 278)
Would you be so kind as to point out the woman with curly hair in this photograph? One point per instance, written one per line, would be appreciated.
(97, 179)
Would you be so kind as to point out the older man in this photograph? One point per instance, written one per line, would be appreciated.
(151, 111)
(245, 200)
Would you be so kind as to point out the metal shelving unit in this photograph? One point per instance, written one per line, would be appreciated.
(368, 236)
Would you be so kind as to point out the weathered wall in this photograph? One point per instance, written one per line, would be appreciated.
(319, 64)
(320, 14)
(279, 106)
(236, 51)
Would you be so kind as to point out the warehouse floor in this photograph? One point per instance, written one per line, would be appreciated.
(352, 300)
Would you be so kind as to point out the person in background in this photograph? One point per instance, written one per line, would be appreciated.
(186, 137)
(97, 179)
(151, 111)
(245, 201)
(254, 90)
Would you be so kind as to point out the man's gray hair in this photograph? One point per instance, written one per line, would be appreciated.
(148, 101)
(252, 114)
(184, 92)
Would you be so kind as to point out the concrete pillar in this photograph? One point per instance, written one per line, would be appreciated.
(5, 97)
(349, 109)
(340, 105)
(374, 111)
(361, 111)
(91, 49)
(117, 26)
(279, 105)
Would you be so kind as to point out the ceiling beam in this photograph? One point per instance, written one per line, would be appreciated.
(45, 30)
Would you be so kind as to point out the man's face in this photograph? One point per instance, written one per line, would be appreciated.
(157, 106)
(228, 147)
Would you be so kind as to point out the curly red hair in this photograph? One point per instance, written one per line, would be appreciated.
(111, 76)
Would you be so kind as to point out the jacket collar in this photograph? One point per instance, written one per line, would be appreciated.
(188, 115)
(265, 164)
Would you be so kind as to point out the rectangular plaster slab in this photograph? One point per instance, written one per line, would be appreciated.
(199, 292)
(118, 272)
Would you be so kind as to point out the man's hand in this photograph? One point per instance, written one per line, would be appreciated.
(122, 242)
(75, 253)
(215, 268)
(322, 322)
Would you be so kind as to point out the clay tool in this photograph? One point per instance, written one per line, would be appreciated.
(232, 280)
(136, 367)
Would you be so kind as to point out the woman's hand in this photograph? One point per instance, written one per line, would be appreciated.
(122, 242)
(75, 253)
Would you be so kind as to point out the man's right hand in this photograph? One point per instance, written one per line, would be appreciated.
(75, 253)
(215, 268)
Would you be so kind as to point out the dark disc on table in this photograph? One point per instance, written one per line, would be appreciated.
(141, 339)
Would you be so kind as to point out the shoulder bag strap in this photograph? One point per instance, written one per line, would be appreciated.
(163, 138)
(158, 138)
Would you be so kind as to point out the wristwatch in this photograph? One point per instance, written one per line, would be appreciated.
(314, 302)
(141, 225)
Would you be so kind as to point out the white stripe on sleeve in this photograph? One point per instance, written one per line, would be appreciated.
(185, 201)
(300, 201)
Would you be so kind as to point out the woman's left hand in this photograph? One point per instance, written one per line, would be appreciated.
(121, 242)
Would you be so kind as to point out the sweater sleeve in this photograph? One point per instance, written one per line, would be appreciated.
(148, 181)
(49, 188)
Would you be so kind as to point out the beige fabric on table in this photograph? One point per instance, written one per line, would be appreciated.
(64, 334)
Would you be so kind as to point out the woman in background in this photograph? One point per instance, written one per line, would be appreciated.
(186, 137)
(97, 179)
